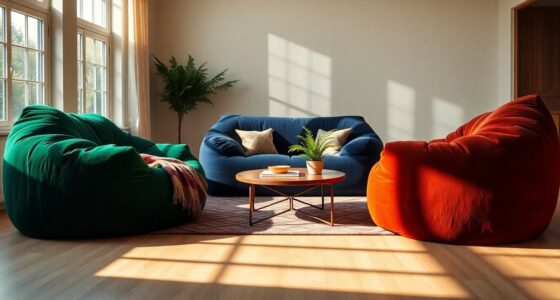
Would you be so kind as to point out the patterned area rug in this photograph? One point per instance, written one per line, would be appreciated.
(230, 216)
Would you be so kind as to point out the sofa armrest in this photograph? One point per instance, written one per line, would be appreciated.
(223, 144)
(362, 146)
(178, 151)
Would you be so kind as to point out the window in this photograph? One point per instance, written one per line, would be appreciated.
(92, 75)
(27, 57)
(93, 11)
(22, 60)
(93, 57)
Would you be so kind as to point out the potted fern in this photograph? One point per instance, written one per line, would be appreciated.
(188, 85)
(312, 149)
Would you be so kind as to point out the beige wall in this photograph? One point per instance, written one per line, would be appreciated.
(414, 69)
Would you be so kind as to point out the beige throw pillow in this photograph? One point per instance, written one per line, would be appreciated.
(257, 142)
(338, 139)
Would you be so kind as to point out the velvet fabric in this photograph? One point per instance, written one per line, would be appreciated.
(494, 180)
(78, 176)
(222, 156)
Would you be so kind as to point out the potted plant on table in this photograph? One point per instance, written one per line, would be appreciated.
(187, 85)
(312, 149)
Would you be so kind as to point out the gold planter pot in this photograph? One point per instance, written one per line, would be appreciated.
(315, 167)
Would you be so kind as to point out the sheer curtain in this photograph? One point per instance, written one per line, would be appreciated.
(139, 66)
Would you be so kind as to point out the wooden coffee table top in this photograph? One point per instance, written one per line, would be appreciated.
(328, 177)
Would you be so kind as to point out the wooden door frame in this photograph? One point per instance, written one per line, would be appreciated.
(514, 44)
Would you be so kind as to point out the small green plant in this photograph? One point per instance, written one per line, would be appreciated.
(312, 148)
(187, 85)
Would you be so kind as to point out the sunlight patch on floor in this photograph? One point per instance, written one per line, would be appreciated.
(533, 270)
(268, 262)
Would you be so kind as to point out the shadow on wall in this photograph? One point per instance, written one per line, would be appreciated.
(444, 116)
(299, 80)
(299, 85)
(321, 58)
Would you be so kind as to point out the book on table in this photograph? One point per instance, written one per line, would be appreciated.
(290, 173)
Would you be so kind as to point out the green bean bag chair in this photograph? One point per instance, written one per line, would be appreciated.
(79, 176)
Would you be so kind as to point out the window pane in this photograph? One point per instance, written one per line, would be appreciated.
(94, 11)
(2, 61)
(99, 52)
(18, 91)
(18, 28)
(90, 101)
(99, 102)
(40, 93)
(32, 90)
(99, 13)
(87, 10)
(33, 72)
(79, 8)
(90, 76)
(99, 78)
(34, 33)
(90, 50)
(3, 100)
(2, 25)
(18, 63)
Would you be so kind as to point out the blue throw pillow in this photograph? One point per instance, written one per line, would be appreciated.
(226, 145)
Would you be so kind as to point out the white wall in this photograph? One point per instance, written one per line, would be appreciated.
(414, 69)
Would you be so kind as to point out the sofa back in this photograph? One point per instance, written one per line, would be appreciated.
(287, 129)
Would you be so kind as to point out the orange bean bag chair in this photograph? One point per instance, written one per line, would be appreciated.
(494, 180)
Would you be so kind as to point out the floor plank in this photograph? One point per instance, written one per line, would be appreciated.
(163, 266)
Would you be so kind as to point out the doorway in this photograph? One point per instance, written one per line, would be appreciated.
(536, 66)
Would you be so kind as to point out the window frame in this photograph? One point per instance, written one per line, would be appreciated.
(34, 4)
(89, 29)
(30, 10)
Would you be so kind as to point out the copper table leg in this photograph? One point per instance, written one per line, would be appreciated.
(291, 199)
(332, 205)
(251, 203)
(322, 196)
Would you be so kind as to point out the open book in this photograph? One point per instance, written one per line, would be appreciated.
(290, 173)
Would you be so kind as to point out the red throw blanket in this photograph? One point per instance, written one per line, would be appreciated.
(189, 186)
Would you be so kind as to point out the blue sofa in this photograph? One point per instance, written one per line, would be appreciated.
(222, 155)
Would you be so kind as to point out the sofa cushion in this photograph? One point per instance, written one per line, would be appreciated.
(257, 142)
(226, 145)
(337, 139)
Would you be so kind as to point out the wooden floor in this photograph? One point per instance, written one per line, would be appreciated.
(274, 267)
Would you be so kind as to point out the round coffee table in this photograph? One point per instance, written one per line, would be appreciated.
(253, 178)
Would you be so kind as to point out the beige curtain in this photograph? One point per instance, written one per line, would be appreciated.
(140, 60)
